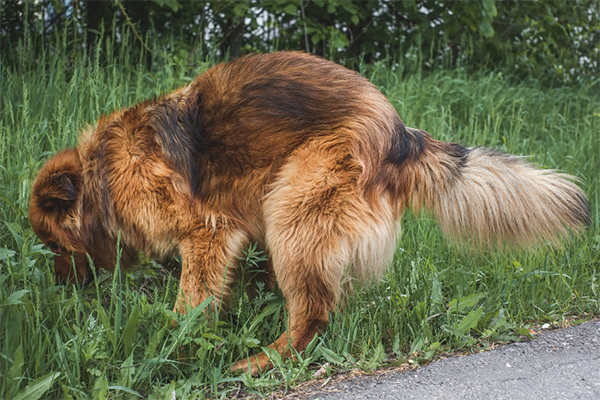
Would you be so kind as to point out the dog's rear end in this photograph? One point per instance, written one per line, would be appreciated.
(324, 229)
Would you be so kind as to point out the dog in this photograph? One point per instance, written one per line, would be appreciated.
(297, 154)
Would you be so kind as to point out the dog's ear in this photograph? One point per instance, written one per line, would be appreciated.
(57, 190)
(58, 183)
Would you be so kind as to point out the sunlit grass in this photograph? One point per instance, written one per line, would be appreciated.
(116, 338)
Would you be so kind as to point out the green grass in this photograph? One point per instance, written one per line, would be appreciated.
(115, 339)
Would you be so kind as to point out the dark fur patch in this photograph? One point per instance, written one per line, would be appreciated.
(405, 145)
(459, 152)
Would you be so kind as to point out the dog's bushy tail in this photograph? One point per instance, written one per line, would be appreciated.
(486, 198)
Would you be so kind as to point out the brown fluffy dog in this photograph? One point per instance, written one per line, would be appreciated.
(293, 152)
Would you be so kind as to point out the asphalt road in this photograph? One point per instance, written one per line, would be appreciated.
(558, 364)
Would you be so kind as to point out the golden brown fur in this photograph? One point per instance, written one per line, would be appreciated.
(293, 152)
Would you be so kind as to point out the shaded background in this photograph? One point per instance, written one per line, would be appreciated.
(558, 41)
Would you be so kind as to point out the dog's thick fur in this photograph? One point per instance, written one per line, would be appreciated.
(293, 152)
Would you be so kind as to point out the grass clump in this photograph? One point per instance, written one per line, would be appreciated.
(115, 339)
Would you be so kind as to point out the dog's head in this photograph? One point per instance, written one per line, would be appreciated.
(55, 212)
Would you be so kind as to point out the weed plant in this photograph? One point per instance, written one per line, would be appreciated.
(115, 339)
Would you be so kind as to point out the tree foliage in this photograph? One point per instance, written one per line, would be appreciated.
(556, 39)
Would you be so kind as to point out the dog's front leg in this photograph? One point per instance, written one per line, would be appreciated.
(210, 265)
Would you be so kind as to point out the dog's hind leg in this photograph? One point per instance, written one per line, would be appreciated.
(311, 217)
